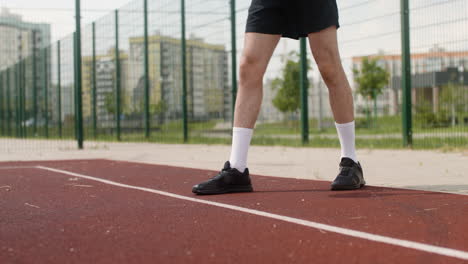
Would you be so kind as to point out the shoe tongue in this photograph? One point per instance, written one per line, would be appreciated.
(227, 166)
(346, 162)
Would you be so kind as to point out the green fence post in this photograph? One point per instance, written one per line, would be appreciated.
(59, 89)
(233, 59)
(117, 76)
(304, 93)
(2, 107)
(14, 109)
(22, 82)
(35, 87)
(8, 96)
(75, 87)
(78, 63)
(20, 98)
(23, 97)
(17, 99)
(4, 103)
(25, 107)
(406, 74)
(147, 79)
(46, 94)
(374, 121)
(184, 73)
(94, 82)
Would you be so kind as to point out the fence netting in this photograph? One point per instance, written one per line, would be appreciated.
(133, 88)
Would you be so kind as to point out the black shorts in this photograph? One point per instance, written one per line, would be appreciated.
(291, 18)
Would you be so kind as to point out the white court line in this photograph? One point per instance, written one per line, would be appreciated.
(339, 230)
(17, 167)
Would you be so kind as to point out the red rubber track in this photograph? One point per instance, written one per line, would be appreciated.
(49, 217)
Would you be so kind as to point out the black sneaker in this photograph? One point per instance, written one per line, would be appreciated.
(227, 181)
(350, 176)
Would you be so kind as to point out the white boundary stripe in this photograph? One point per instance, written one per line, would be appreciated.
(17, 167)
(339, 230)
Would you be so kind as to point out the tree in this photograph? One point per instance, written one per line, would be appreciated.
(371, 80)
(288, 96)
(159, 109)
(109, 103)
(155, 109)
(453, 100)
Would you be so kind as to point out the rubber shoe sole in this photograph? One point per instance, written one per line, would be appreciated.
(239, 189)
(347, 187)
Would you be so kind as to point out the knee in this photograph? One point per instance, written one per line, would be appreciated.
(329, 72)
(250, 69)
(330, 67)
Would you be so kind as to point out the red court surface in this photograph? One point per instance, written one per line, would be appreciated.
(102, 211)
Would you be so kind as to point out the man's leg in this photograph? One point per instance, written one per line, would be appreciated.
(257, 52)
(258, 49)
(324, 46)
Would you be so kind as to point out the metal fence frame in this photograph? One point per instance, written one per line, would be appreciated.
(16, 74)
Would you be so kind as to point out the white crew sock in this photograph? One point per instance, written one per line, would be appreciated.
(346, 133)
(240, 147)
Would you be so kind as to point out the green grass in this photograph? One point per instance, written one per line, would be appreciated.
(386, 124)
(383, 125)
(192, 126)
(271, 135)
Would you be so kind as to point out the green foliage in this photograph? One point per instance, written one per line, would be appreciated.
(109, 103)
(453, 102)
(371, 79)
(154, 109)
(288, 97)
(159, 108)
(454, 99)
(426, 118)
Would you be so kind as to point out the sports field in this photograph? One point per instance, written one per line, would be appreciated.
(68, 209)
(112, 110)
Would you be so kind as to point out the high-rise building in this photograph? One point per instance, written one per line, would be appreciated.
(18, 38)
(105, 86)
(208, 94)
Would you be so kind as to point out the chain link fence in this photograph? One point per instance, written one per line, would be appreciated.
(165, 71)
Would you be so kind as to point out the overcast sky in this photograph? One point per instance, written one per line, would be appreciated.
(60, 13)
